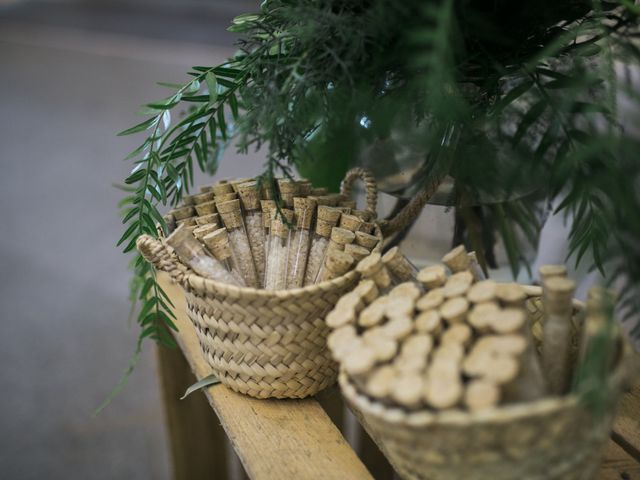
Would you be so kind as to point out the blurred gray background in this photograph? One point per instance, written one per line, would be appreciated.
(72, 74)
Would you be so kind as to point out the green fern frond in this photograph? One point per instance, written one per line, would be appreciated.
(515, 100)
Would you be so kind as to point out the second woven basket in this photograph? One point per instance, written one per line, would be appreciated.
(555, 438)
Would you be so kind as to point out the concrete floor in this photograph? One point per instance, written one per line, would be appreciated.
(65, 339)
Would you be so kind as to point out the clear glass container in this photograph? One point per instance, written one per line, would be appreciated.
(327, 218)
(250, 198)
(268, 207)
(304, 212)
(217, 242)
(339, 238)
(192, 253)
(279, 240)
(399, 266)
(231, 215)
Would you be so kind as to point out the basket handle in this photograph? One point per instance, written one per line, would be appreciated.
(405, 216)
(370, 185)
(160, 256)
(409, 212)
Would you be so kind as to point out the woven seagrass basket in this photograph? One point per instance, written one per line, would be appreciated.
(267, 344)
(555, 438)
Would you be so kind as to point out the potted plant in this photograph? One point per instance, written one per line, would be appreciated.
(510, 103)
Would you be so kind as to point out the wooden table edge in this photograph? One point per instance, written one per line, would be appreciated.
(275, 439)
(309, 456)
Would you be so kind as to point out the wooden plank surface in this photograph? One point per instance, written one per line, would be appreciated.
(275, 439)
(192, 425)
(618, 464)
(297, 439)
(626, 427)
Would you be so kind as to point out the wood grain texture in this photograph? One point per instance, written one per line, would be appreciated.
(626, 427)
(275, 439)
(333, 403)
(618, 464)
(192, 427)
(296, 438)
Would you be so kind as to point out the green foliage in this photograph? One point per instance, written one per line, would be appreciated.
(163, 172)
(509, 98)
(591, 379)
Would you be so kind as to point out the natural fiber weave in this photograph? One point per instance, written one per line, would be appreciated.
(266, 344)
(405, 217)
(555, 438)
(370, 186)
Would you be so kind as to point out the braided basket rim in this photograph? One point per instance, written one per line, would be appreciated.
(204, 285)
(496, 415)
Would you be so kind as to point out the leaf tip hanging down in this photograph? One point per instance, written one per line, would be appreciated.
(205, 382)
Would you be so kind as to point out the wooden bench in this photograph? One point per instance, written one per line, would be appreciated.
(297, 439)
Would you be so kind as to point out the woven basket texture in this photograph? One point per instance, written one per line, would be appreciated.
(266, 344)
(551, 439)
